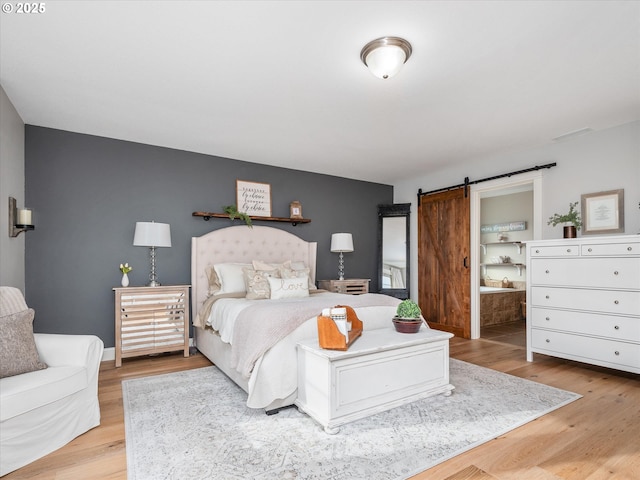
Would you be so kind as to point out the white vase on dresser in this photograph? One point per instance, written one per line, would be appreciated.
(583, 300)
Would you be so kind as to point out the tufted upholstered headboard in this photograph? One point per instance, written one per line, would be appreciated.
(241, 244)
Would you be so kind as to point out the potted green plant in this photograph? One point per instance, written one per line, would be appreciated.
(573, 217)
(233, 212)
(408, 317)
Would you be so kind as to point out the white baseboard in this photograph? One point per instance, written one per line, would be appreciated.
(109, 353)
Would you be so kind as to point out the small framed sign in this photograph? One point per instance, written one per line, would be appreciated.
(253, 198)
(603, 212)
(295, 209)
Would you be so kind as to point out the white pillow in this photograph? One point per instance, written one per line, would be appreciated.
(288, 287)
(214, 282)
(231, 277)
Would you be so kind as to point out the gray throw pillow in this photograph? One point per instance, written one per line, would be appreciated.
(18, 353)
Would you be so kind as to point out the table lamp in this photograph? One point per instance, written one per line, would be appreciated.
(152, 235)
(341, 242)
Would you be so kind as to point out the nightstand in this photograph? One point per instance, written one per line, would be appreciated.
(351, 286)
(151, 320)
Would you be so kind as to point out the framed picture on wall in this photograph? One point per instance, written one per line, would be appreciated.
(603, 212)
(253, 198)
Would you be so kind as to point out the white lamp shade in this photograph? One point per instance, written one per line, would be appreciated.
(341, 242)
(152, 234)
(385, 62)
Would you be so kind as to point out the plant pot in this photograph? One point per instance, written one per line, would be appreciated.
(407, 325)
(570, 231)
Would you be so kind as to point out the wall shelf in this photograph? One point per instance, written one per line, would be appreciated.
(293, 221)
(518, 266)
(518, 245)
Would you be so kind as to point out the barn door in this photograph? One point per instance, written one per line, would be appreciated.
(444, 287)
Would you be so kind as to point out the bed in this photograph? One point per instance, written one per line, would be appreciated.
(269, 373)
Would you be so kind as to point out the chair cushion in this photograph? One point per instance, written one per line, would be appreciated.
(11, 301)
(18, 353)
(23, 393)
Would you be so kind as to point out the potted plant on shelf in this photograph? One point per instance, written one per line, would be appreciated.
(408, 317)
(233, 212)
(573, 217)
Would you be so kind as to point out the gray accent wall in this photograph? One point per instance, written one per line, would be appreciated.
(88, 192)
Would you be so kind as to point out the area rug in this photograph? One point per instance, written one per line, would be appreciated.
(195, 425)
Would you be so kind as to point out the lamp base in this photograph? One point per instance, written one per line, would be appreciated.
(153, 283)
(341, 267)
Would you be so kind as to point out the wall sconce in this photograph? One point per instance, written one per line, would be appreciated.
(19, 220)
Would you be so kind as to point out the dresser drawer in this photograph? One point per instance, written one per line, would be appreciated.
(605, 301)
(555, 251)
(587, 272)
(586, 349)
(617, 328)
(622, 249)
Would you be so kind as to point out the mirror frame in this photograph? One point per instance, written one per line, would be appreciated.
(395, 210)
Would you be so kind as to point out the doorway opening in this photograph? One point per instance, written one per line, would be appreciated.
(498, 263)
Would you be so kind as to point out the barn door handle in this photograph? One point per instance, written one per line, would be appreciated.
(464, 262)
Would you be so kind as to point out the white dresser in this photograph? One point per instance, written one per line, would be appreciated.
(583, 300)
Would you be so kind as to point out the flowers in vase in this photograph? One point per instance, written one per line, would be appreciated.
(125, 268)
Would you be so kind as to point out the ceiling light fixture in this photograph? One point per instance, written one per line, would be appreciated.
(385, 56)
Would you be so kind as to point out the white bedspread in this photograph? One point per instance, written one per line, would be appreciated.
(253, 326)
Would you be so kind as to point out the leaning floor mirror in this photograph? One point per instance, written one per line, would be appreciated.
(393, 249)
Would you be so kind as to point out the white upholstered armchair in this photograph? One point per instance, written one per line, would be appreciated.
(48, 385)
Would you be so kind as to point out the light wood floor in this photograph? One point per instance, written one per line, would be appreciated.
(514, 333)
(596, 437)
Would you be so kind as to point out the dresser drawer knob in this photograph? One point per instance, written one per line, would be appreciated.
(617, 352)
(629, 249)
(616, 272)
(546, 271)
(548, 341)
(589, 250)
(537, 251)
(568, 250)
(547, 297)
(616, 327)
(616, 302)
(547, 319)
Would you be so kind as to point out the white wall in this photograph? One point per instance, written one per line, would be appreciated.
(598, 161)
(504, 209)
(11, 185)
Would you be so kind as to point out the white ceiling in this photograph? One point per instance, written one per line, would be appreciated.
(281, 83)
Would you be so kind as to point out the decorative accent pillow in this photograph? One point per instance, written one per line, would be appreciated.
(288, 287)
(18, 353)
(231, 277)
(257, 284)
(214, 282)
(300, 266)
(289, 273)
(260, 265)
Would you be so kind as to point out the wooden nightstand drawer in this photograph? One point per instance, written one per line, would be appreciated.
(353, 286)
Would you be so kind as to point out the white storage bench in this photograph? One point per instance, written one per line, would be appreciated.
(383, 369)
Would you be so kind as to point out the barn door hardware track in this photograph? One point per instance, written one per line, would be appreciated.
(467, 182)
